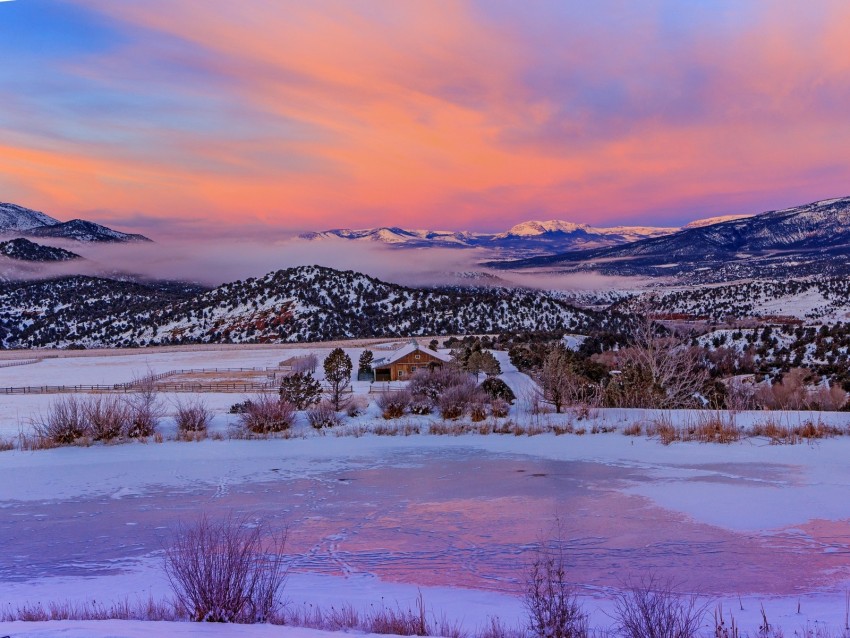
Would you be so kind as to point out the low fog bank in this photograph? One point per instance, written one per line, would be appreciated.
(213, 262)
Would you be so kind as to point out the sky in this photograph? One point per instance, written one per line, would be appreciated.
(218, 118)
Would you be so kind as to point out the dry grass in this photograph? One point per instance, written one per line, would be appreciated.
(779, 433)
(712, 427)
(708, 427)
(635, 429)
(397, 621)
(406, 428)
(149, 609)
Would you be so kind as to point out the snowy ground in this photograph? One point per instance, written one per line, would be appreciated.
(373, 519)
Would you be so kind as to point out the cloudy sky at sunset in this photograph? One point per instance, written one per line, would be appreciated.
(184, 117)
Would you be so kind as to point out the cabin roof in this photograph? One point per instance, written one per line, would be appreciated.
(406, 350)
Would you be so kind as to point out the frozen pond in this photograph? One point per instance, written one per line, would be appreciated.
(435, 515)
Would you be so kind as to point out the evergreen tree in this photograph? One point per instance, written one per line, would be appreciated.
(365, 363)
(300, 389)
(338, 369)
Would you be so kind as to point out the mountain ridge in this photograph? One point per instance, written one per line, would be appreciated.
(18, 220)
(811, 239)
(307, 303)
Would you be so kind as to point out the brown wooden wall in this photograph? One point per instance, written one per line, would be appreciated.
(404, 368)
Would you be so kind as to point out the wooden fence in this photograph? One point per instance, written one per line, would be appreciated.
(160, 387)
(22, 362)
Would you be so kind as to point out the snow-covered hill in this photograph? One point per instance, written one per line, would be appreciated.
(14, 218)
(81, 230)
(26, 250)
(308, 303)
(17, 220)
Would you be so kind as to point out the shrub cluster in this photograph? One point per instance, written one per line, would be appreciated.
(323, 416)
(266, 414)
(71, 419)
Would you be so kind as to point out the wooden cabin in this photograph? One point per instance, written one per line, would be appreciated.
(401, 364)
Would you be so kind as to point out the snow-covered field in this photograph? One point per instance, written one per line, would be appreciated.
(374, 519)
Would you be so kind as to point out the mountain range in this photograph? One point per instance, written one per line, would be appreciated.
(19, 221)
(808, 240)
(525, 239)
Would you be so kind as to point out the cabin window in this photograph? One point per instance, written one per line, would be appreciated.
(417, 356)
(401, 373)
(413, 368)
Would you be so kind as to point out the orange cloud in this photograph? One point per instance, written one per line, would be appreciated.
(438, 114)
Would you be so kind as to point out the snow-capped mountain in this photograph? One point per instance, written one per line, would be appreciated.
(708, 221)
(399, 236)
(560, 227)
(808, 240)
(525, 239)
(81, 230)
(14, 218)
(308, 303)
(17, 220)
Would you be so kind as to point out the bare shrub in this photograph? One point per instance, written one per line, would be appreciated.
(477, 411)
(357, 405)
(323, 416)
(456, 399)
(500, 408)
(433, 383)
(797, 391)
(108, 417)
(145, 410)
(420, 404)
(221, 571)
(65, 422)
(393, 404)
(551, 602)
(266, 414)
(192, 417)
(740, 395)
(6, 444)
(657, 371)
(653, 609)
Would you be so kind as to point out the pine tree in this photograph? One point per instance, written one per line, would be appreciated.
(300, 389)
(365, 363)
(338, 369)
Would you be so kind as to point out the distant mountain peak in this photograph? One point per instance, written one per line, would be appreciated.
(533, 227)
(14, 218)
(710, 221)
(86, 231)
(17, 220)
